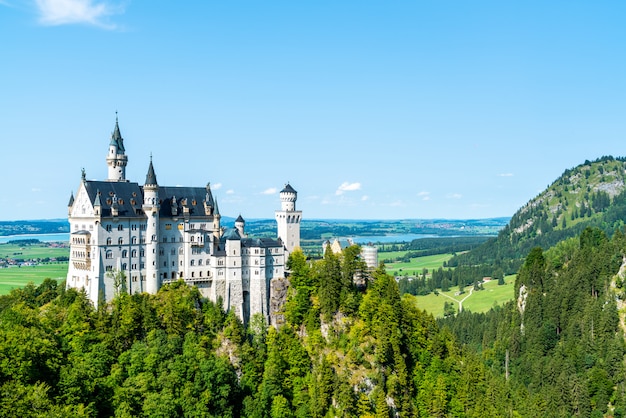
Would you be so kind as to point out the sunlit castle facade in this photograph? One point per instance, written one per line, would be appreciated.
(151, 235)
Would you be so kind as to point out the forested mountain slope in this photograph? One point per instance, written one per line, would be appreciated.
(591, 194)
(559, 344)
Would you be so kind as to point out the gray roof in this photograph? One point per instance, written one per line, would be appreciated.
(71, 202)
(288, 189)
(231, 234)
(260, 242)
(240, 219)
(192, 197)
(129, 197)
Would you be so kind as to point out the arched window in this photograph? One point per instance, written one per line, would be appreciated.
(124, 266)
(193, 262)
(109, 241)
(133, 253)
(124, 253)
(120, 227)
(134, 240)
(109, 254)
(120, 241)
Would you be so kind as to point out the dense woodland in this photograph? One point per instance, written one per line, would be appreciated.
(353, 348)
(344, 350)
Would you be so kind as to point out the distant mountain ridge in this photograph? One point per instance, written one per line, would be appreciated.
(591, 194)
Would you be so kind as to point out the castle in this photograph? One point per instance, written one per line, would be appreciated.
(127, 237)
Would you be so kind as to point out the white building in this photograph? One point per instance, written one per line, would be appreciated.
(155, 235)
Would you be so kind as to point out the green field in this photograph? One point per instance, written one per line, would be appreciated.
(479, 301)
(416, 266)
(28, 252)
(12, 277)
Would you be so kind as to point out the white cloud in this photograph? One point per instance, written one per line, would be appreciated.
(271, 190)
(505, 175)
(454, 196)
(63, 12)
(216, 186)
(424, 195)
(348, 187)
(365, 197)
(230, 191)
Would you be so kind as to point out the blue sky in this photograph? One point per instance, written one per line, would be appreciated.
(370, 109)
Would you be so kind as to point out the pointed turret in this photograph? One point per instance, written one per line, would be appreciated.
(116, 158)
(288, 219)
(151, 206)
(151, 176)
(97, 204)
(240, 225)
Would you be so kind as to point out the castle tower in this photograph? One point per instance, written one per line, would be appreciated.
(151, 209)
(288, 219)
(116, 158)
(240, 224)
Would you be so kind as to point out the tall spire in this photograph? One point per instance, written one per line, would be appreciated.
(116, 137)
(151, 176)
(116, 157)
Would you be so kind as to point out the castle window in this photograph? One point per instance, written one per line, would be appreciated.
(193, 262)
(200, 262)
(120, 227)
(173, 263)
(192, 274)
(134, 279)
(109, 268)
(133, 240)
(142, 227)
(173, 275)
(192, 238)
(161, 251)
(120, 241)
(109, 241)
(173, 239)
(200, 274)
(181, 274)
(180, 251)
(153, 238)
(124, 253)
(143, 266)
(134, 266)
(164, 239)
(173, 251)
(142, 253)
(165, 275)
(108, 228)
(91, 227)
(143, 240)
(165, 264)
(124, 266)
(133, 227)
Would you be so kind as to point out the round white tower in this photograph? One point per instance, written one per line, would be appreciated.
(116, 158)
(151, 209)
(288, 219)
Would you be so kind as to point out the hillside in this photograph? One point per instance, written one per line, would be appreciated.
(592, 194)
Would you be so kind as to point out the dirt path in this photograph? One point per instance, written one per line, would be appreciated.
(460, 302)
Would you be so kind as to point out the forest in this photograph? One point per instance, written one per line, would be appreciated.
(347, 347)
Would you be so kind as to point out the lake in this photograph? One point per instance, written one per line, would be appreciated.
(41, 237)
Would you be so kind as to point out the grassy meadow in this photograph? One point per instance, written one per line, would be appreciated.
(13, 277)
(416, 266)
(479, 301)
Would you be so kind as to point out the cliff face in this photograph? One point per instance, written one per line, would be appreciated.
(278, 298)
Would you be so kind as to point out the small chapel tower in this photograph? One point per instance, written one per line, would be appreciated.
(116, 158)
(288, 219)
(151, 209)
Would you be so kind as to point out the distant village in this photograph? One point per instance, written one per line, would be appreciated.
(12, 255)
